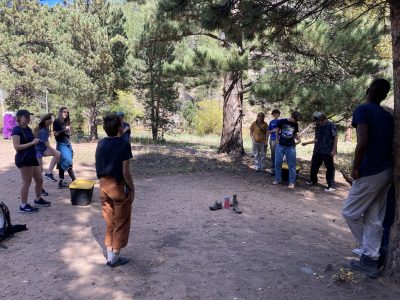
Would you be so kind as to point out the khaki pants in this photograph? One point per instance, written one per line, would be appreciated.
(364, 210)
(116, 207)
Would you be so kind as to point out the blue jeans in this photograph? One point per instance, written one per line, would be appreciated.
(290, 153)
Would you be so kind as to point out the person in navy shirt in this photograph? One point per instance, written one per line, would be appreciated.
(272, 128)
(117, 191)
(364, 208)
(25, 159)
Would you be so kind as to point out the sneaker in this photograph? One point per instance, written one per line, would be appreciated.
(275, 182)
(44, 193)
(366, 265)
(50, 177)
(329, 189)
(358, 252)
(217, 205)
(291, 186)
(62, 184)
(310, 182)
(42, 202)
(28, 209)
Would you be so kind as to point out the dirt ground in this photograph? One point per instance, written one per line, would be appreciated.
(287, 244)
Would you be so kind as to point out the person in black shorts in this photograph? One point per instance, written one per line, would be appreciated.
(25, 159)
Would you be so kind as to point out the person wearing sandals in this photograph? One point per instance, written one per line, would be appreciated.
(44, 148)
(259, 136)
(25, 159)
(117, 190)
(62, 129)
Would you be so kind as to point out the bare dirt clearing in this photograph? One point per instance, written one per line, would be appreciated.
(287, 244)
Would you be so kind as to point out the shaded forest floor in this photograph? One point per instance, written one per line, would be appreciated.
(287, 244)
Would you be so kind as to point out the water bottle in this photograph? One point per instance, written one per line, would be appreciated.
(226, 202)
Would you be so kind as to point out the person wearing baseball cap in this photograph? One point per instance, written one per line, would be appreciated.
(325, 149)
(25, 159)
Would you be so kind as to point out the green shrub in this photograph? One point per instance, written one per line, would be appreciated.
(208, 119)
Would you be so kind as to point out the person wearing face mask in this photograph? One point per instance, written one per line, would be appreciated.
(26, 161)
(325, 149)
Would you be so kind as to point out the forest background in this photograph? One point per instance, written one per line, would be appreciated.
(197, 68)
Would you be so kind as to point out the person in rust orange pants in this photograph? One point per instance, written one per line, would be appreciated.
(117, 190)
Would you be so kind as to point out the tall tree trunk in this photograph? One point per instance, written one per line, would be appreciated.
(231, 138)
(348, 137)
(395, 235)
(93, 134)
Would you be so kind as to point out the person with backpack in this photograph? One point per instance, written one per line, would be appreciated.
(62, 131)
(259, 136)
(26, 161)
(117, 190)
(43, 148)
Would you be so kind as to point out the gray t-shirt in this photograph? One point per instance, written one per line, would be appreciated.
(325, 136)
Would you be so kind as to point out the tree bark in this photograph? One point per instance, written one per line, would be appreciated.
(231, 138)
(93, 135)
(394, 258)
(348, 137)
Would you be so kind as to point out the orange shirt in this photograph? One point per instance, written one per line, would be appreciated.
(259, 132)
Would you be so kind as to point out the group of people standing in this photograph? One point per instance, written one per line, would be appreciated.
(282, 135)
(369, 209)
(32, 146)
(112, 168)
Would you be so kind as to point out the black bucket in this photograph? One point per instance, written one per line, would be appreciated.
(81, 192)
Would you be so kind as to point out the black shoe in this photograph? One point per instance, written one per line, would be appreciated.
(310, 182)
(44, 193)
(28, 209)
(42, 202)
(383, 258)
(120, 261)
(49, 177)
(366, 265)
(236, 205)
(62, 184)
(217, 205)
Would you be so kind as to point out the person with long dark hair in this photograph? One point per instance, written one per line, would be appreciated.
(25, 159)
(62, 131)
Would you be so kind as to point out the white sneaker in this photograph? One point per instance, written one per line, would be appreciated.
(330, 189)
(275, 182)
(358, 252)
(291, 186)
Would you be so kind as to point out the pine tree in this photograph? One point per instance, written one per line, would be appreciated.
(153, 85)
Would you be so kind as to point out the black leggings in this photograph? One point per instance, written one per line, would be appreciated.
(70, 173)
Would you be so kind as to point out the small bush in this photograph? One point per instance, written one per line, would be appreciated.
(208, 119)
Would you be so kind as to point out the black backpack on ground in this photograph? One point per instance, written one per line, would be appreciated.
(6, 228)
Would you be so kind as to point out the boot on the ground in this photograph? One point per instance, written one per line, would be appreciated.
(236, 205)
